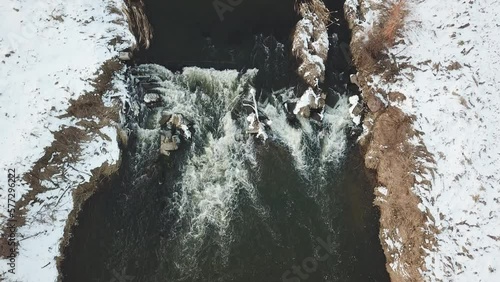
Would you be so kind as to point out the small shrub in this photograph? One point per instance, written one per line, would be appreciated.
(89, 106)
(66, 145)
(315, 7)
(114, 10)
(393, 21)
(104, 79)
(370, 56)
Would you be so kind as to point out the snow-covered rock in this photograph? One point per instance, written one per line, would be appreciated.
(309, 101)
(355, 110)
(310, 47)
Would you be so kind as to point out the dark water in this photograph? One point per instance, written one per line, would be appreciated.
(226, 207)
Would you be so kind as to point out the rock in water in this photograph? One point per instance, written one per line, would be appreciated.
(176, 120)
(167, 145)
(165, 117)
(125, 56)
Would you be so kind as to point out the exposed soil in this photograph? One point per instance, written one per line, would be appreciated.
(392, 157)
(66, 148)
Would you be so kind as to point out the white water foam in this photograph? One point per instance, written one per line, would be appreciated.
(333, 137)
(291, 137)
(212, 180)
(332, 140)
(222, 159)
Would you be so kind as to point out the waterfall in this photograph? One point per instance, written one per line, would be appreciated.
(221, 158)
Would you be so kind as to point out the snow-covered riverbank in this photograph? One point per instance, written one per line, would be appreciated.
(449, 65)
(448, 62)
(50, 52)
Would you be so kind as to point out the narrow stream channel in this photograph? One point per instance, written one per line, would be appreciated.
(226, 206)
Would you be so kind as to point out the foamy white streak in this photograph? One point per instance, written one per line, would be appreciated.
(334, 139)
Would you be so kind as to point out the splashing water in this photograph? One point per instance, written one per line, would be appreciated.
(221, 162)
(309, 147)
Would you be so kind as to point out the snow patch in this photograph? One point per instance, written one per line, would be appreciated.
(452, 90)
(50, 52)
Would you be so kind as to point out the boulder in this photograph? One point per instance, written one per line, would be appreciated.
(125, 56)
(176, 120)
(371, 162)
(176, 139)
(357, 110)
(253, 126)
(354, 80)
(305, 112)
(321, 103)
(253, 129)
(165, 117)
(374, 103)
(312, 102)
(167, 145)
(289, 107)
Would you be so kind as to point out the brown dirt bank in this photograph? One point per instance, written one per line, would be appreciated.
(388, 152)
(91, 105)
(92, 115)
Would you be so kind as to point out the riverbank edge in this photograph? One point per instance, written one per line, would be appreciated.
(140, 28)
(392, 150)
(378, 150)
(84, 145)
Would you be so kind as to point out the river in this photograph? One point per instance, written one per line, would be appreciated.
(227, 206)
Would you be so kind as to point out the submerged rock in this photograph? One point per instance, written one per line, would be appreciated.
(167, 133)
(315, 116)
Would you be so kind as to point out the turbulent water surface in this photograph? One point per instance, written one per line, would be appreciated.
(227, 206)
